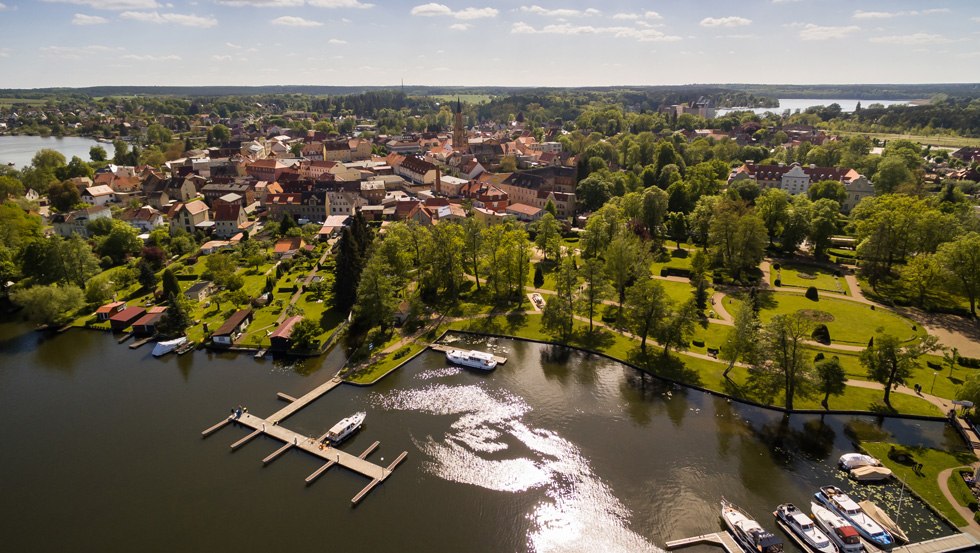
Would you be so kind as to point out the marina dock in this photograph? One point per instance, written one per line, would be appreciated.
(719, 539)
(945, 544)
(444, 348)
(315, 446)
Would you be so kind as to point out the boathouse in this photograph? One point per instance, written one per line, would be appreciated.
(108, 310)
(125, 318)
(147, 324)
(281, 337)
(233, 328)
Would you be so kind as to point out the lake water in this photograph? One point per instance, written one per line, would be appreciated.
(801, 104)
(20, 149)
(554, 451)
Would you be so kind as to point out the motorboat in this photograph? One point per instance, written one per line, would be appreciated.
(844, 536)
(868, 473)
(747, 532)
(343, 429)
(472, 358)
(839, 502)
(849, 461)
(803, 529)
(884, 520)
(164, 347)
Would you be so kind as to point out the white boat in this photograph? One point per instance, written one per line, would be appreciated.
(165, 347)
(748, 533)
(839, 502)
(882, 518)
(850, 461)
(340, 431)
(804, 529)
(870, 474)
(472, 358)
(844, 536)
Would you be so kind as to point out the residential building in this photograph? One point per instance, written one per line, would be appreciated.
(147, 324)
(266, 169)
(418, 171)
(76, 222)
(342, 202)
(229, 220)
(525, 213)
(288, 246)
(794, 178)
(233, 328)
(857, 190)
(125, 318)
(190, 217)
(199, 291)
(99, 195)
(280, 337)
(310, 205)
(144, 219)
(104, 312)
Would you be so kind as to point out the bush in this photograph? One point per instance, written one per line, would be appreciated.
(811, 293)
(538, 277)
(777, 283)
(775, 266)
(698, 343)
(838, 274)
(821, 334)
(818, 357)
(969, 362)
(402, 352)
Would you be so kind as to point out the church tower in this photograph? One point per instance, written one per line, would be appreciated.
(460, 143)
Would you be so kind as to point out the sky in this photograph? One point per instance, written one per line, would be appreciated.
(502, 43)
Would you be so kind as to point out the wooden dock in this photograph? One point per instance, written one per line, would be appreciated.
(956, 542)
(141, 342)
(444, 348)
(304, 400)
(719, 539)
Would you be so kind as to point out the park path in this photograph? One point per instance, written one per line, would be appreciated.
(971, 527)
(302, 288)
(943, 404)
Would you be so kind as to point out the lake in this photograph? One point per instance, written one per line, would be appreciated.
(556, 450)
(20, 149)
(801, 104)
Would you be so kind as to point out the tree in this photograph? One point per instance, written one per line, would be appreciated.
(121, 242)
(550, 208)
(970, 390)
(678, 327)
(559, 312)
(120, 152)
(831, 379)
(592, 192)
(10, 188)
(647, 307)
(304, 336)
(740, 342)
(921, 275)
(626, 260)
(784, 356)
(171, 286)
(177, 318)
(97, 154)
(893, 173)
(376, 295)
(773, 206)
(829, 189)
(889, 362)
(548, 238)
(823, 224)
(347, 272)
(64, 196)
(538, 281)
(286, 223)
(147, 277)
(219, 134)
(99, 289)
(49, 304)
(473, 246)
(595, 287)
(738, 236)
(961, 258)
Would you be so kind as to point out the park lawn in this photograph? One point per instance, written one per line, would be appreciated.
(789, 275)
(547, 271)
(924, 139)
(925, 483)
(678, 292)
(853, 322)
(959, 490)
(865, 399)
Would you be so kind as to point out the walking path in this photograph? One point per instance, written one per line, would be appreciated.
(302, 288)
(971, 527)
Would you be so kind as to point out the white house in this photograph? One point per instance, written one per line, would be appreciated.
(99, 195)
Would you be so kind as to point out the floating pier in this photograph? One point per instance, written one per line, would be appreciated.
(719, 539)
(314, 446)
(945, 544)
(444, 348)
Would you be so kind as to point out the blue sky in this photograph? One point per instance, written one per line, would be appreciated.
(538, 43)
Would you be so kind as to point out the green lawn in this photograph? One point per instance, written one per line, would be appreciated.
(934, 140)
(852, 322)
(960, 491)
(823, 279)
(925, 483)
(678, 260)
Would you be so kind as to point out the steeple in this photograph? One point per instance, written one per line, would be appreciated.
(460, 143)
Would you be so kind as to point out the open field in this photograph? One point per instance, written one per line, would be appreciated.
(948, 141)
(466, 98)
(849, 322)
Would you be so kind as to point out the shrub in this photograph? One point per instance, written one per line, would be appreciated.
(811, 293)
(538, 277)
(775, 266)
(818, 356)
(698, 343)
(838, 274)
(821, 334)
(969, 362)
(777, 283)
(402, 352)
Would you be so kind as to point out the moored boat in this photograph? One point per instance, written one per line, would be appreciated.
(884, 520)
(839, 502)
(869, 473)
(164, 347)
(343, 429)
(472, 358)
(747, 532)
(850, 461)
(844, 536)
(803, 529)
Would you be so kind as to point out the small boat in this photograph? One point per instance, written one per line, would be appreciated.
(884, 520)
(868, 473)
(844, 536)
(747, 532)
(803, 528)
(343, 429)
(850, 461)
(165, 347)
(473, 359)
(189, 346)
(839, 502)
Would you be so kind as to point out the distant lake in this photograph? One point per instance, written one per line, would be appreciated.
(793, 104)
(21, 149)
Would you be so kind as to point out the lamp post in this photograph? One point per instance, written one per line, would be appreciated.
(933, 382)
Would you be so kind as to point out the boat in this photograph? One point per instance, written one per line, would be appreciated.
(839, 502)
(844, 536)
(164, 347)
(870, 474)
(802, 527)
(747, 532)
(473, 359)
(849, 461)
(343, 429)
(884, 520)
(189, 346)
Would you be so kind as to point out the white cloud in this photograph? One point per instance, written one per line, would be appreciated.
(82, 19)
(293, 21)
(730, 21)
(460, 26)
(224, 57)
(432, 10)
(745, 36)
(262, 3)
(558, 12)
(2, 6)
(76, 52)
(233, 46)
(861, 14)
(186, 20)
(340, 4)
(336, 41)
(111, 4)
(914, 39)
(636, 16)
(785, 1)
(5, 52)
(820, 32)
(642, 35)
(150, 57)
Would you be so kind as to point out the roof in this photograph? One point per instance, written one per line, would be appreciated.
(148, 319)
(524, 209)
(197, 287)
(288, 244)
(285, 330)
(128, 314)
(227, 212)
(417, 165)
(195, 207)
(101, 190)
(109, 307)
(233, 322)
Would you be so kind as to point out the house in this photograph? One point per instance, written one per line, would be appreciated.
(76, 222)
(147, 324)
(125, 318)
(280, 337)
(793, 178)
(345, 203)
(266, 169)
(450, 186)
(233, 328)
(524, 212)
(418, 171)
(229, 218)
(189, 217)
(160, 193)
(199, 291)
(214, 191)
(99, 195)
(309, 205)
(857, 190)
(144, 219)
(104, 312)
(288, 246)
(333, 226)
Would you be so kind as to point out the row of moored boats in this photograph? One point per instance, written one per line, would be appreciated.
(836, 524)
